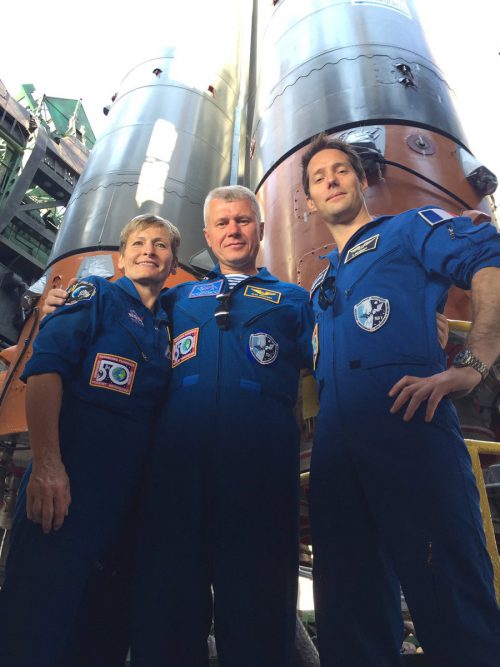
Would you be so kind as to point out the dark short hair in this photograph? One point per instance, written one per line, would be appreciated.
(323, 142)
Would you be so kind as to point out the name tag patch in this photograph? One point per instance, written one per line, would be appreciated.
(112, 372)
(317, 282)
(82, 291)
(184, 347)
(434, 216)
(262, 293)
(206, 289)
(315, 345)
(372, 313)
(263, 348)
(361, 248)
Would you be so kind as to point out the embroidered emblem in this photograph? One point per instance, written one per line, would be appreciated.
(136, 319)
(112, 372)
(361, 248)
(206, 289)
(82, 291)
(263, 348)
(315, 345)
(261, 293)
(168, 351)
(434, 216)
(184, 347)
(372, 313)
(317, 282)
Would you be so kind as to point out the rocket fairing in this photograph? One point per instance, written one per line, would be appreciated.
(362, 70)
(168, 141)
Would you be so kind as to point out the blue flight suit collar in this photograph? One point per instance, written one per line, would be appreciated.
(333, 256)
(130, 289)
(262, 275)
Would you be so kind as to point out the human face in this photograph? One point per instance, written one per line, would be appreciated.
(234, 235)
(147, 258)
(336, 193)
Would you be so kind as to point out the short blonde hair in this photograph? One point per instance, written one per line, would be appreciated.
(149, 220)
(232, 193)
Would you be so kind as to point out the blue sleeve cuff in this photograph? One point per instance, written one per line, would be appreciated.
(43, 362)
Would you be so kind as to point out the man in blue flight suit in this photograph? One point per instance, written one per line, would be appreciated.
(221, 511)
(393, 496)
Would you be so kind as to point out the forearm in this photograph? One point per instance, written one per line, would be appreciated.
(484, 337)
(43, 405)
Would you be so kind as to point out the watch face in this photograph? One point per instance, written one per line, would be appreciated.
(461, 358)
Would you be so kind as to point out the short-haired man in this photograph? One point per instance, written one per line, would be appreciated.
(393, 496)
(221, 511)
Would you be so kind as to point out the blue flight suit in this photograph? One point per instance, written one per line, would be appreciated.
(222, 502)
(113, 356)
(394, 500)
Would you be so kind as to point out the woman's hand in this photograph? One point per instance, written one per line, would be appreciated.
(48, 496)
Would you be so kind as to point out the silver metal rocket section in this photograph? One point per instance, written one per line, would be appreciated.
(168, 140)
(334, 64)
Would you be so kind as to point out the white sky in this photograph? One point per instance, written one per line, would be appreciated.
(84, 50)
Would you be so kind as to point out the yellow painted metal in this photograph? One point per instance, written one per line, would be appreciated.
(477, 447)
(459, 325)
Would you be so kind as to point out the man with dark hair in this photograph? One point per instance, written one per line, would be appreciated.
(372, 468)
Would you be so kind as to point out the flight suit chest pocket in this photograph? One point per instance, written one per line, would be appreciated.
(354, 274)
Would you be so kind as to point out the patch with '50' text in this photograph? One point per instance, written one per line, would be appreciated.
(184, 347)
(112, 372)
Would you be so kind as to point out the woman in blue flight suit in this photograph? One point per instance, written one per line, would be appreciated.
(99, 370)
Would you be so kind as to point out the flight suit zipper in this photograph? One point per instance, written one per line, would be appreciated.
(348, 290)
(259, 315)
(144, 356)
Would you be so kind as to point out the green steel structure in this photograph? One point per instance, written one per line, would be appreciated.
(44, 145)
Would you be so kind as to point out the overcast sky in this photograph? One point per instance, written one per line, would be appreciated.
(85, 49)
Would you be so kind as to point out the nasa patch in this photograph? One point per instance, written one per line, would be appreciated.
(136, 319)
(184, 347)
(262, 293)
(82, 291)
(435, 216)
(263, 348)
(372, 313)
(112, 372)
(206, 289)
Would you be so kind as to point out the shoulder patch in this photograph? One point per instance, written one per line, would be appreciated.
(262, 293)
(365, 246)
(206, 289)
(317, 282)
(435, 216)
(82, 291)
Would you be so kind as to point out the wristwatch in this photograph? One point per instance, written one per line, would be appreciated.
(466, 358)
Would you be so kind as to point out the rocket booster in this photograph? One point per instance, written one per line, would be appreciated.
(168, 141)
(363, 71)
